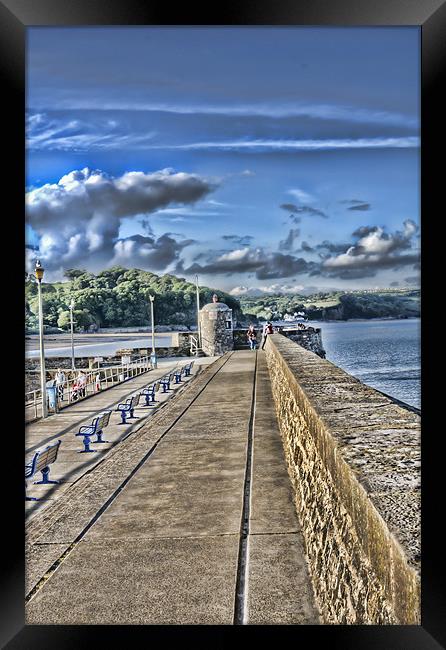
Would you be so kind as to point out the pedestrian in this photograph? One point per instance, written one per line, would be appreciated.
(97, 382)
(267, 329)
(252, 337)
(81, 381)
(60, 383)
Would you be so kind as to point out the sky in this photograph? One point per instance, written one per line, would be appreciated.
(260, 159)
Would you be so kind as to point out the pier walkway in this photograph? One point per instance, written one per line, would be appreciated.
(188, 520)
(64, 425)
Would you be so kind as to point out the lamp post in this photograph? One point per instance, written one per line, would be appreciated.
(39, 270)
(153, 355)
(198, 312)
(73, 367)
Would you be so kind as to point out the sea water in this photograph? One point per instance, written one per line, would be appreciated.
(385, 354)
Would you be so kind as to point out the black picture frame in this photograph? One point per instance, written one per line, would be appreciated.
(430, 16)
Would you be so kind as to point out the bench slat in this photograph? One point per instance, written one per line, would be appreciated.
(46, 456)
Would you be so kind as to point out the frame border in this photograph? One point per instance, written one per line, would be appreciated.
(430, 17)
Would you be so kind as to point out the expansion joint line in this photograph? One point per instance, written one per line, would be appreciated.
(241, 589)
(116, 492)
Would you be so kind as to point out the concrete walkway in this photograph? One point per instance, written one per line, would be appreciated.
(71, 464)
(189, 520)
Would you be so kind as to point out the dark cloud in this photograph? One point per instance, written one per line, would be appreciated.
(412, 279)
(288, 243)
(373, 250)
(241, 240)
(356, 204)
(289, 207)
(263, 264)
(362, 207)
(332, 247)
(325, 248)
(283, 266)
(395, 284)
(149, 252)
(306, 247)
(303, 209)
(146, 225)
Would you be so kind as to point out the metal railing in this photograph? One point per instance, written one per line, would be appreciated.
(70, 391)
(194, 345)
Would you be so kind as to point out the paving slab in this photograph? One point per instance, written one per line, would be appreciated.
(153, 581)
(188, 488)
(279, 591)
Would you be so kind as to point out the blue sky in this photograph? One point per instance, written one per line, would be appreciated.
(271, 158)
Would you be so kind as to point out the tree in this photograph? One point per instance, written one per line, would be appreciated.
(72, 274)
(64, 320)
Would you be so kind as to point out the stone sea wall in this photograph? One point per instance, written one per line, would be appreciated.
(310, 338)
(353, 457)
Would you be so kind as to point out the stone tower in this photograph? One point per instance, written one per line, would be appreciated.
(216, 328)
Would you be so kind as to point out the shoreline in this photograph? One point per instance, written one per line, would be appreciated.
(364, 320)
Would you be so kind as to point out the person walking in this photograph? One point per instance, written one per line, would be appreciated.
(97, 382)
(267, 329)
(252, 337)
(60, 382)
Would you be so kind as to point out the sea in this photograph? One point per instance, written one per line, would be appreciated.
(385, 354)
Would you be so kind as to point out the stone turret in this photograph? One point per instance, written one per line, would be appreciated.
(216, 328)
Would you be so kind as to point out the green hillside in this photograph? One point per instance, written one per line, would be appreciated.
(336, 305)
(118, 297)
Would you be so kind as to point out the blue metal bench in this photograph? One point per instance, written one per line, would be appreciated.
(188, 368)
(126, 408)
(96, 427)
(149, 393)
(165, 382)
(178, 374)
(41, 461)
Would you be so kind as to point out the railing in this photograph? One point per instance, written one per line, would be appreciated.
(193, 345)
(67, 393)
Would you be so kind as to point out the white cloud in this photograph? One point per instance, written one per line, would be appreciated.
(268, 289)
(78, 219)
(58, 133)
(236, 255)
(300, 195)
(374, 250)
(339, 112)
(300, 145)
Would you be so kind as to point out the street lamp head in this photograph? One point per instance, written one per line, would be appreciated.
(72, 304)
(152, 298)
(39, 270)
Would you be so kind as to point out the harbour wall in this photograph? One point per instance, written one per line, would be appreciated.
(309, 338)
(353, 456)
